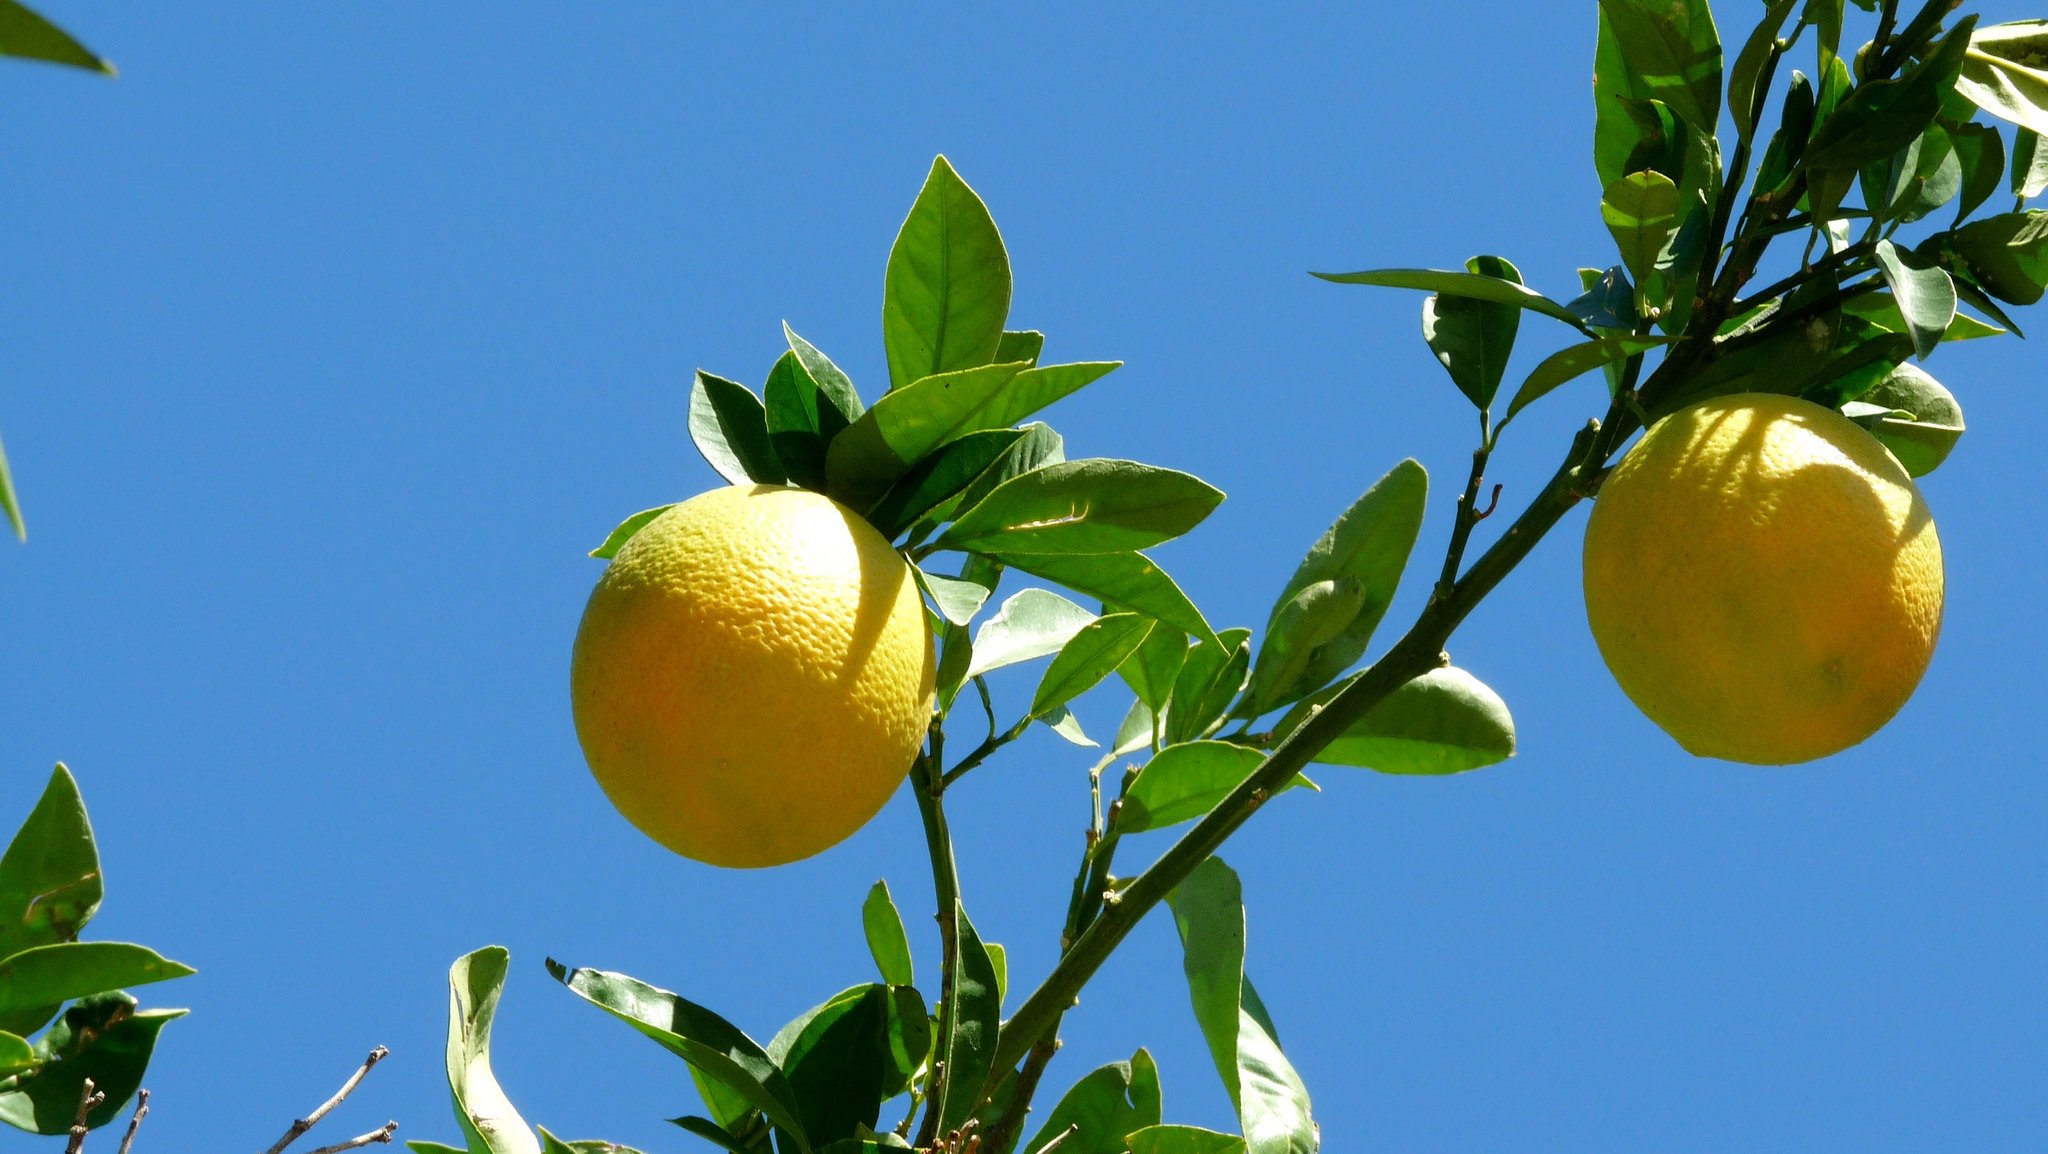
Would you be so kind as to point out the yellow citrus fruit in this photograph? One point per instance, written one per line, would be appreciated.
(753, 675)
(1763, 579)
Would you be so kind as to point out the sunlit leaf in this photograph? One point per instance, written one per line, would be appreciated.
(947, 289)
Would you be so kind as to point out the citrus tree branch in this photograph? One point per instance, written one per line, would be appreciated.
(927, 780)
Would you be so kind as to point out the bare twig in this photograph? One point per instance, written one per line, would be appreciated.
(380, 1134)
(135, 1123)
(88, 1100)
(299, 1127)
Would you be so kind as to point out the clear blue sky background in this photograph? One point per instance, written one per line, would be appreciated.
(334, 335)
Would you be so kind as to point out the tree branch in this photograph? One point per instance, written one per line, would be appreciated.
(88, 1100)
(135, 1122)
(380, 1134)
(298, 1128)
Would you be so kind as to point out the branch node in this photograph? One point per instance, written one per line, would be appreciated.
(135, 1122)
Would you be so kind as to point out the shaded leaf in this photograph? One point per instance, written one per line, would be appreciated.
(932, 482)
(1980, 151)
(1210, 680)
(975, 1014)
(1881, 310)
(1127, 580)
(1925, 297)
(2005, 72)
(550, 1144)
(1569, 363)
(26, 34)
(35, 981)
(1088, 506)
(838, 1059)
(801, 422)
(617, 538)
(1032, 623)
(1446, 721)
(1106, 1104)
(1020, 346)
(2007, 254)
(947, 289)
(957, 601)
(1089, 655)
(1153, 668)
(1746, 95)
(50, 875)
(1473, 338)
(1882, 117)
(886, 939)
(1641, 211)
(908, 424)
(104, 1038)
(729, 426)
(1183, 1140)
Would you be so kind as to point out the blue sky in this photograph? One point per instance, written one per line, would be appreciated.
(333, 337)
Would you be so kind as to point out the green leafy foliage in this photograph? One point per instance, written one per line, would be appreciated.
(50, 875)
(1033, 623)
(1913, 415)
(1572, 362)
(9, 504)
(1090, 655)
(1446, 721)
(105, 1038)
(1090, 506)
(2006, 73)
(1171, 1139)
(1183, 782)
(27, 35)
(947, 289)
(490, 1124)
(886, 939)
(730, 427)
(1923, 294)
(1210, 680)
(617, 538)
(847, 1056)
(1473, 338)
(1473, 286)
(1129, 580)
(973, 1014)
(1103, 1107)
(2007, 255)
(1641, 210)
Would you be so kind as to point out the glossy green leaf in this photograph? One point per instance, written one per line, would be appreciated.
(1473, 338)
(2029, 165)
(933, 482)
(839, 1062)
(1672, 54)
(956, 645)
(1746, 94)
(1641, 211)
(909, 424)
(1916, 181)
(490, 1124)
(957, 601)
(1925, 297)
(1913, 415)
(1311, 619)
(947, 289)
(421, 1146)
(975, 1015)
(835, 388)
(1062, 721)
(2007, 254)
(1033, 623)
(1272, 1104)
(1792, 359)
(35, 981)
(1370, 544)
(1463, 284)
(1183, 782)
(1210, 680)
(549, 1144)
(1087, 506)
(1040, 446)
(886, 939)
(1172, 1139)
(2005, 72)
(104, 1038)
(711, 1045)
(50, 874)
(1569, 363)
(1127, 580)
(1020, 346)
(999, 962)
(617, 538)
(16, 1055)
(1153, 668)
(1881, 310)
(1091, 654)
(802, 420)
(9, 504)
(1882, 117)
(1446, 721)
(719, 1136)
(26, 34)
(1108, 1103)
(729, 426)
(1980, 151)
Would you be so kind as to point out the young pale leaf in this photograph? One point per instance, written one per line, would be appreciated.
(1570, 363)
(714, 1047)
(1914, 416)
(947, 289)
(1172, 1139)
(1110, 1102)
(1183, 782)
(839, 1062)
(730, 427)
(1472, 338)
(617, 538)
(2006, 254)
(1210, 680)
(1925, 296)
(909, 424)
(1089, 506)
(26, 34)
(2006, 73)
(957, 600)
(2029, 165)
(1031, 624)
(34, 982)
(490, 1125)
(1312, 618)
(50, 875)
(9, 505)
(886, 939)
(1272, 1104)
(1446, 721)
(1089, 655)
(1127, 580)
(1020, 346)
(974, 1014)
(104, 1038)
(1063, 722)
(1641, 210)
(1463, 284)
(1370, 542)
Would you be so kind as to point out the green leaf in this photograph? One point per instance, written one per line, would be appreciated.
(104, 1038)
(1746, 95)
(711, 1045)
(999, 960)
(1088, 506)
(1881, 310)
(1110, 1102)
(1446, 721)
(1609, 299)
(8, 503)
(1462, 284)
(1183, 782)
(1309, 620)
(886, 939)
(1128, 580)
(2029, 164)
(35, 981)
(1792, 359)
(934, 481)
(908, 425)
(1916, 181)
(1031, 624)
(1020, 346)
(974, 1014)
(1039, 447)
(1152, 669)
(50, 874)
(617, 538)
(957, 601)
(1272, 1104)
(1882, 117)
(947, 289)
(1671, 53)
(490, 1124)
(839, 1062)
(2007, 254)
(956, 645)
(550, 1144)
(420, 1146)
(718, 1135)
(1062, 721)
(1570, 363)
(2005, 72)
(1980, 151)
(1369, 543)
(1210, 680)
(730, 427)
(1171, 1139)
(1913, 415)
(25, 34)
(1473, 338)
(1091, 654)
(801, 421)
(1925, 296)
(16, 1055)
(835, 388)
(1641, 210)
(1040, 386)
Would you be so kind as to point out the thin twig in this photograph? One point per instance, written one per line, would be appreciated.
(380, 1134)
(299, 1127)
(135, 1123)
(88, 1100)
